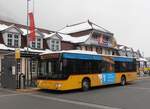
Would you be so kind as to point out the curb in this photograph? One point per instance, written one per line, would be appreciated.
(142, 78)
(28, 90)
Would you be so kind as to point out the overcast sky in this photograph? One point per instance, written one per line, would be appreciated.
(129, 20)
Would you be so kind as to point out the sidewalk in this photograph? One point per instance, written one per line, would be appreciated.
(145, 76)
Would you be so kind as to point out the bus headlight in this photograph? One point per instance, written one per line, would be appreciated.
(58, 85)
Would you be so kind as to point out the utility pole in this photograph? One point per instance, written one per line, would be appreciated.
(27, 61)
(32, 34)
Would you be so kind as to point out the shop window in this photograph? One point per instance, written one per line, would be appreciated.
(19, 66)
(33, 66)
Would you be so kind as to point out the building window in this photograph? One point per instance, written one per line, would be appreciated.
(13, 40)
(122, 53)
(98, 50)
(52, 45)
(55, 45)
(10, 40)
(37, 43)
(94, 48)
(83, 48)
(16, 40)
(109, 52)
(89, 48)
(78, 48)
(33, 44)
(19, 66)
(105, 51)
(129, 54)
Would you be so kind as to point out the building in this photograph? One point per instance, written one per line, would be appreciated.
(91, 37)
(14, 36)
(81, 36)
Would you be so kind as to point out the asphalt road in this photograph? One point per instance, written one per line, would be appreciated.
(132, 96)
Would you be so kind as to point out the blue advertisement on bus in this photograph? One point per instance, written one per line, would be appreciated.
(108, 78)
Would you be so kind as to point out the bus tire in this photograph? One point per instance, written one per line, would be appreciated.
(86, 84)
(123, 81)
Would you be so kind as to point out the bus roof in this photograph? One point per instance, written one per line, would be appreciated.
(88, 55)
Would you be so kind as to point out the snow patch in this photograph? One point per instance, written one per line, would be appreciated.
(71, 39)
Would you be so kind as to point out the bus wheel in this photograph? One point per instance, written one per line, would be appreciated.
(86, 84)
(123, 80)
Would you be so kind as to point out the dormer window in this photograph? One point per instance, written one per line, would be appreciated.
(33, 44)
(55, 44)
(10, 40)
(13, 40)
(16, 40)
(54, 41)
(122, 52)
(37, 43)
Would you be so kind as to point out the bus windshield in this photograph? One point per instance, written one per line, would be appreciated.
(51, 69)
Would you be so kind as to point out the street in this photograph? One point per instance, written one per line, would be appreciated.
(133, 96)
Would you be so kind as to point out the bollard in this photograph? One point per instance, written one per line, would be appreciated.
(22, 81)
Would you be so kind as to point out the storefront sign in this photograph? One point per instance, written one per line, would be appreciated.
(48, 56)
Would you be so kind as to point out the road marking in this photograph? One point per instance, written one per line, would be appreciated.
(75, 102)
(9, 95)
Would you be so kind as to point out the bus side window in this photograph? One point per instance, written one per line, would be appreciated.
(107, 67)
(69, 66)
(103, 67)
(64, 65)
(111, 67)
(49, 68)
(117, 67)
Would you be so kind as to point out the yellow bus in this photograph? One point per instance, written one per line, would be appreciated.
(67, 70)
(143, 66)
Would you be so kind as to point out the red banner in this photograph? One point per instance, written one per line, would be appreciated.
(32, 27)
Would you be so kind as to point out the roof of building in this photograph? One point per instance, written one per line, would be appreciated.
(142, 59)
(4, 47)
(83, 26)
(5, 24)
(3, 27)
(123, 47)
(69, 38)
